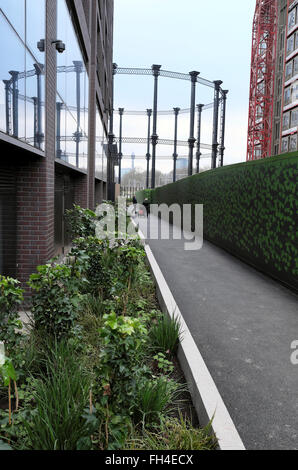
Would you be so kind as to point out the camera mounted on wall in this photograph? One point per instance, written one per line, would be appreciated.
(60, 46)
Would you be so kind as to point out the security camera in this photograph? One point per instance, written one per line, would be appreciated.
(41, 45)
(60, 46)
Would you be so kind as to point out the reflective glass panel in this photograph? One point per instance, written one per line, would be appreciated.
(73, 92)
(294, 117)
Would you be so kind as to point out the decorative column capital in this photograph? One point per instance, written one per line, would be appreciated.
(156, 70)
(78, 64)
(176, 111)
(191, 142)
(217, 84)
(121, 111)
(200, 107)
(194, 76)
(149, 112)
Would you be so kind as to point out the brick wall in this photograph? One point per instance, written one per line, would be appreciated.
(36, 178)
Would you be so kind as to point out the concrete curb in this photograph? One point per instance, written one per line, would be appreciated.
(205, 395)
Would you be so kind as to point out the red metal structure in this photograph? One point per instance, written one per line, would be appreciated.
(260, 119)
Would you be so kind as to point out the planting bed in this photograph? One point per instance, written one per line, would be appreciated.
(97, 370)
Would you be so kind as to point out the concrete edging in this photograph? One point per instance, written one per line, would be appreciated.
(206, 398)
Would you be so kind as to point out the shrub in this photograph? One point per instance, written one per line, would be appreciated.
(61, 399)
(11, 296)
(80, 222)
(96, 261)
(123, 340)
(55, 299)
(165, 334)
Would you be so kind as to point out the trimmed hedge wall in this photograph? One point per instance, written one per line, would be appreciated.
(250, 209)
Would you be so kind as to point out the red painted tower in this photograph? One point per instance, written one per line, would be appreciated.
(262, 78)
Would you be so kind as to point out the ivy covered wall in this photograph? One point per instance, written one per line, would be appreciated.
(250, 209)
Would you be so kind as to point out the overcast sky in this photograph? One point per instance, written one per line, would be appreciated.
(212, 37)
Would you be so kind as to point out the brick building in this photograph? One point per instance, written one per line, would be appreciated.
(54, 108)
(273, 106)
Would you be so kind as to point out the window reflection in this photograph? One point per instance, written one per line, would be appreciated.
(22, 71)
(72, 96)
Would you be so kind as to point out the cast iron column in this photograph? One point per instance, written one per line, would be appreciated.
(58, 130)
(15, 102)
(191, 140)
(120, 154)
(217, 84)
(198, 154)
(78, 70)
(175, 155)
(148, 156)
(39, 136)
(156, 73)
(223, 125)
(111, 137)
(35, 121)
(7, 105)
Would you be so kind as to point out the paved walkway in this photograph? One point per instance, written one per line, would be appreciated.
(244, 324)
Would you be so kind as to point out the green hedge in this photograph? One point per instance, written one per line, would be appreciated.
(250, 209)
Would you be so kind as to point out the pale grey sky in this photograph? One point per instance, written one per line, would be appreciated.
(211, 37)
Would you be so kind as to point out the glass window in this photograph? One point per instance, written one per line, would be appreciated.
(294, 92)
(73, 93)
(12, 83)
(287, 96)
(286, 121)
(35, 26)
(294, 117)
(290, 44)
(14, 10)
(289, 70)
(292, 19)
(99, 146)
(295, 66)
(293, 143)
(258, 152)
(22, 73)
(285, 144)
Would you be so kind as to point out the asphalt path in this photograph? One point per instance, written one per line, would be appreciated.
(244, 324)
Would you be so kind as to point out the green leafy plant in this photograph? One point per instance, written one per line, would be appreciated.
(165, 334)
(80, 222)
(11, 296)
(8, 374)
(61, 399)
(123, 339)
(163, 364)
(97, 262)
(55, 299)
